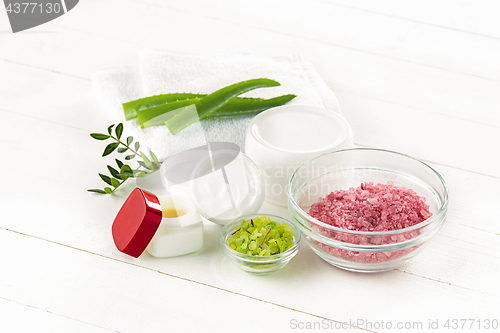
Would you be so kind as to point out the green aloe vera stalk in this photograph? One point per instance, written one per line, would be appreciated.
(158, 115)
(214, 102)
(241, 106)
(130, 108)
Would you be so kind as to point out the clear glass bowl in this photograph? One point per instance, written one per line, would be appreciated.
(255, 264)
(365, 251)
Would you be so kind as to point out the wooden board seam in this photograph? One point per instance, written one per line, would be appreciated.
(44, 69)
(405, 19)
(314, 40)
(57, 314)
(179, 277)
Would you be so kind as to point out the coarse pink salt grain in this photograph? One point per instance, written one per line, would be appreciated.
(372, 208)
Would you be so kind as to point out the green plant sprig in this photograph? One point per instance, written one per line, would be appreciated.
(148, 165)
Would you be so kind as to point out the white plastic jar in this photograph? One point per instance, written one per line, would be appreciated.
(180, 231)
(280, 139)
(164, 226)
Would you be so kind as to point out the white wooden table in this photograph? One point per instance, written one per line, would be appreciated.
(419, 77)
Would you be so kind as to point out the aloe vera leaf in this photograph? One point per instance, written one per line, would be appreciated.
(213, 102)
(158, 115)
(241, 106)
(130, 108)
(236, 106)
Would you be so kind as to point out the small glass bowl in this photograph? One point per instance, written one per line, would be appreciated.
(365, 251)
(255, 264)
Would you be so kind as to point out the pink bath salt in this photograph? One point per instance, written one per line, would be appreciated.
(365, 257)
(380, 207)
(369, 208)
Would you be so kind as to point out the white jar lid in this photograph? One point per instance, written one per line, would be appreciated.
(300, 129)
(231, 191)
(222, 182)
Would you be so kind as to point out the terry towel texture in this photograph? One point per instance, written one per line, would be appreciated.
(162, 72)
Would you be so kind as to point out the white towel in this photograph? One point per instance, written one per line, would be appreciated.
(162, 72)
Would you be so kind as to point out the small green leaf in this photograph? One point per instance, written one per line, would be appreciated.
(110, 128)
(155, 159)
(115, 183)
(130, 139)
(110, 148)
(129, 157)
(146, 161)
(105, 178)
(125, 168)
(119, 130)
(137, 146)
(99, 136)
(97, 191)
(113, 172)
(119, 163)
(139, 173)
(142, 164)
(122, 150)
(133, 173)
(125, 172)
(108, 190)
(126, 175)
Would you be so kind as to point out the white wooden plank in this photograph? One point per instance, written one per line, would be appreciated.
(360, 30)
(459, 253)
(118, 296)
(4, 22)
(375, 123)
(365, 74)
(15, 317)
(423, 134)
(60, 51)
(51, 96)
(127, 298)
(477, 17)
(451, 270)
(453, 278)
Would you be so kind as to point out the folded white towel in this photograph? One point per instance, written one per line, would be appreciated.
(162, 72)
